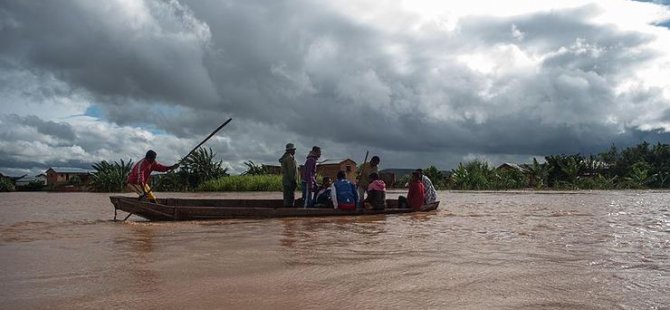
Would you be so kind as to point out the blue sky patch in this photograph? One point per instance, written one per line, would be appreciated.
(94, 111)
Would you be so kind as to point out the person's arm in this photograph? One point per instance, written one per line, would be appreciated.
(160, 167)
(291, 169)
(422, 193)
(333, 195)
(312, 177)
(140, 173)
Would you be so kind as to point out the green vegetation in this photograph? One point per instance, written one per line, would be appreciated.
(6, 185)
(243, 183)
(639, 167)
(32, 186)
(197, 169)
(254, 169)
(110, 177)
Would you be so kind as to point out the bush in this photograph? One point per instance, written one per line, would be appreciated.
(243, 183)
(172, 182)
(32, 186)
(6, 185)
(110, 177)
(200, 167)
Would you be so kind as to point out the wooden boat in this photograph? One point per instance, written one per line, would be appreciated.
(180, 209)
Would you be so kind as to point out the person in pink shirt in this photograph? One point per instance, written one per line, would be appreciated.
(376, 193)
(139, 175)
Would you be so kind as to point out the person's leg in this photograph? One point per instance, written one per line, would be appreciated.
(289, 194)
(402, 202)
(135, 188)
(150, 194)
(304, 193)
(361, 196)
(310, 198)
(284, 190)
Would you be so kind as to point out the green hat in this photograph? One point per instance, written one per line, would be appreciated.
(290, 146)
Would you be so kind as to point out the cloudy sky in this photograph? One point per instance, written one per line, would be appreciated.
(416, 82)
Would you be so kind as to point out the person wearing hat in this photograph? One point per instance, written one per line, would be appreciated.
(289, 172)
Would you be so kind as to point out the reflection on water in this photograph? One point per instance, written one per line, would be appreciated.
(135, 247)
(594, 250)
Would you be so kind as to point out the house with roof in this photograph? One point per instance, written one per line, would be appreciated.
(40, 178)
(63, 175)
(330, 167)
(272, 169)
(512, 166)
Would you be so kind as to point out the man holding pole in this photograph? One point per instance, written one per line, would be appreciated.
(363, 177)
(289, 173)
(139, 175)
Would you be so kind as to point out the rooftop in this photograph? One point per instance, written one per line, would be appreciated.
(69, 170)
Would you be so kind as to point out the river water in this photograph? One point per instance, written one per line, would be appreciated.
(492, 250)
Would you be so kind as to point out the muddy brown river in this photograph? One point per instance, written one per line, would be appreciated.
(492, 250)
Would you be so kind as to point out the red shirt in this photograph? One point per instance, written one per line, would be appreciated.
(142, 170)
(415, 195)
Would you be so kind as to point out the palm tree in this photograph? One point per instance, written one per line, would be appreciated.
(110, 177)
(201, 166)
(539, 173)
(639, 175)
(254, 169)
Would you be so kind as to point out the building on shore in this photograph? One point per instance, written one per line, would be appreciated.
(40, 178)
(512, 166)
(330, 167)
(64, 175)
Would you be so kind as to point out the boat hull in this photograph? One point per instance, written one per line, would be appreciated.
(176, 209)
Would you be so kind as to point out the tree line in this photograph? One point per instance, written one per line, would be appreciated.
(637, 167)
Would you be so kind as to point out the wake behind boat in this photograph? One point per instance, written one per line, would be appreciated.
(184, 209)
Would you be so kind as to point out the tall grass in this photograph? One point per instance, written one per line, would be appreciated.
(243, 183)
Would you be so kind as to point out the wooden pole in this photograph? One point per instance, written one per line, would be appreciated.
(203, 141)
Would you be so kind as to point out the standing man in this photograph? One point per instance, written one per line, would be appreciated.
(289, 173)
(309, 185)
(139, 175)
(363, 177)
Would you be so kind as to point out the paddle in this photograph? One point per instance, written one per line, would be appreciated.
(203, 141)
(364, 162)
(362, 173)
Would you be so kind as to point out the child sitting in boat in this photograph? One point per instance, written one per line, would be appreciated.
(323, 194)
(343, 192)
(376, 193)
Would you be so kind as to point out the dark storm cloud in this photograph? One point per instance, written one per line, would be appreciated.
(109, 51)
(299, 70)
(61, 131)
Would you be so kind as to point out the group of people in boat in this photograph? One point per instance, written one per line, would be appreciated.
(369, 192)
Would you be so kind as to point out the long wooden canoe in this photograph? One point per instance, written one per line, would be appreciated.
(180, 209)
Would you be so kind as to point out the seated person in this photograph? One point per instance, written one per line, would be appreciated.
(416, 194)
(343, 192)
(376, 193)
(430, 193)
(324, 194)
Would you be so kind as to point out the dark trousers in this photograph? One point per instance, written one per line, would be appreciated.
(307, 195)
(289, 193)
